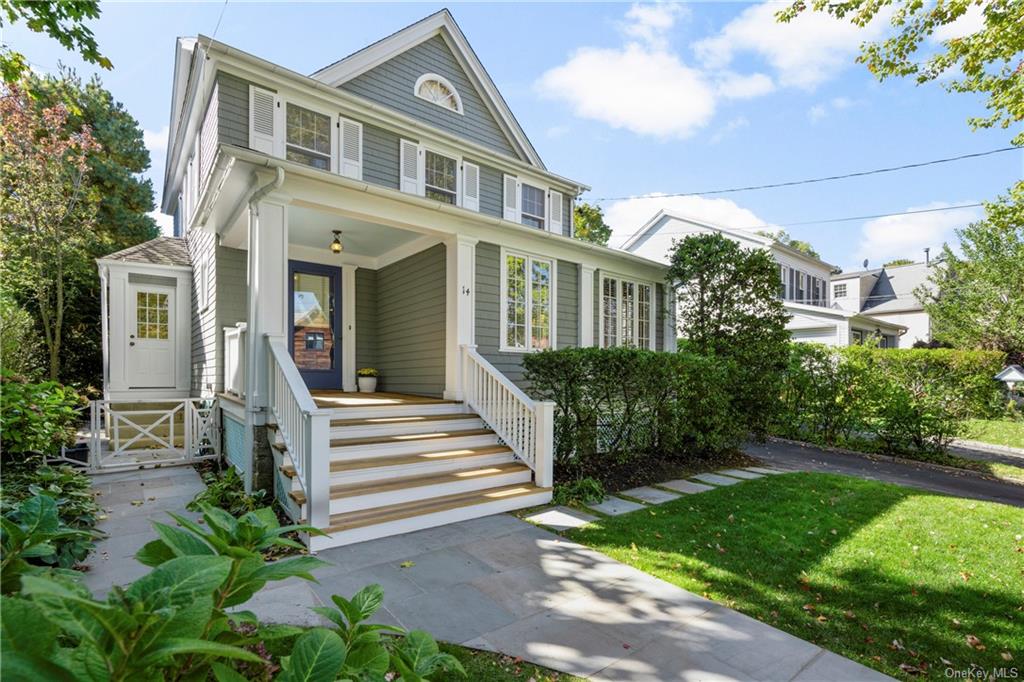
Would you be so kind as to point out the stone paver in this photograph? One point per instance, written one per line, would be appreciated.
(687, 487)
(740, 473)
(764, 470)
(651, 495)
(614, 506)
(716, 479)
(561, 518)
(131, 502)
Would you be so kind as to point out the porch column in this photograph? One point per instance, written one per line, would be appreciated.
(586, 306)
(459, 310)
(348, 326)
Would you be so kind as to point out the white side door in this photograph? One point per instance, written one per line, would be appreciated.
(151, 333)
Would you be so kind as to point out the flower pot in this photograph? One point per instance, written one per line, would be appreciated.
(367, 384)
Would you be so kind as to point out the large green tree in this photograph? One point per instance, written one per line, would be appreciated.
(589, 225)
(977, 297)
(728, 305)
(784, 237)
(62, 20)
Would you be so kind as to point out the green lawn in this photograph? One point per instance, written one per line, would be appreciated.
(996, 432)
(483, 665)
(882, 574)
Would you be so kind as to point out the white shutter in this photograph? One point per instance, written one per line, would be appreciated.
(411, 168)
(555, 211)
(470, 186)
(351, 143)
(510, 202)
(263, 120)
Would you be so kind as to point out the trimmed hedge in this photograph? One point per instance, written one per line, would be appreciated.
(899, 401)
(625, 403)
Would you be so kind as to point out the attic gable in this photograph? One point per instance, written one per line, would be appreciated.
(387, 71)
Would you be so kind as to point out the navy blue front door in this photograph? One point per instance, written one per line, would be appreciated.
(314, 311)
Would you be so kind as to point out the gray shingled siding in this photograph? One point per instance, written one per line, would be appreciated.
(659, 317)
(366, 318)
(203, 373)
(567, 327)
(490, 190)
(233, 103)
(392, 84)
(232, 295)
(380, 156)
(411, 323)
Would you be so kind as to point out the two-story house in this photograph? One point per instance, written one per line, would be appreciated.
(804, 281)
(889, 294)
(386, 211)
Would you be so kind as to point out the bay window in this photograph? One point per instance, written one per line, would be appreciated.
(527, 302)
(627, 313)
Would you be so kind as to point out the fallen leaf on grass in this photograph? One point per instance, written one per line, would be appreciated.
(1007, 656)
(896, 645)
(808, 607)
(849, 615)
(910, 669)
(974, 642)
(944, 661)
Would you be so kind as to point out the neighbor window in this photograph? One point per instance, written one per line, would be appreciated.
(439, 177)
(308, 137)
(839, 290)
(314, 340)
(626, 312)
(532, 206)
(528, 302)
(151, 315)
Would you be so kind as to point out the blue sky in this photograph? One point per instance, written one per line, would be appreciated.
(639, 99)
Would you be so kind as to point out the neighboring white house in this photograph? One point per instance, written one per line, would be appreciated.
(887, 294)
(803, 279)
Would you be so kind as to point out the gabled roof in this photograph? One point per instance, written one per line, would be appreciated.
(440, 23)
(894, 289)
(159, 251)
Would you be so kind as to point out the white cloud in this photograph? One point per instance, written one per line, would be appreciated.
(817, 112)
(840, 103)
(736, 86)
(629, 215)
(971, 21)
(823, 109)
(164, 222)
(905, 236)
(646, 90)
(804, 52)
(731, 126)
(651, 23)
(156, 140)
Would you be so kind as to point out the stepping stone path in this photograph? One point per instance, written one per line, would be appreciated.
(562, 518)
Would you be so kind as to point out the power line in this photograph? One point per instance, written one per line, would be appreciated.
(219, 17)
(828, 178)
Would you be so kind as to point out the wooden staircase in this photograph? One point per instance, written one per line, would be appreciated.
(408, 463)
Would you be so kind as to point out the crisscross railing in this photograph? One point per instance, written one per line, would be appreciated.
(524, 424)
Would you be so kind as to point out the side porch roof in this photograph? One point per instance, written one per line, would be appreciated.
(160, 251)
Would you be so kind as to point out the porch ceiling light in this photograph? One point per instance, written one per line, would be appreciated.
(336, 246)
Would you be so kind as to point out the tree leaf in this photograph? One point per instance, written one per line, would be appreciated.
(318, 655)
(173, 646)
(223, 673)
(367, 600)
(182, 542)
(286, 568)
(154, 553)
(179, 581)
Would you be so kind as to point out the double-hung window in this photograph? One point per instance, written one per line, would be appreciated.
(532, 209)
(627, 313)
(839, 290)
(440, 177)
(528, 302)
(308, 137)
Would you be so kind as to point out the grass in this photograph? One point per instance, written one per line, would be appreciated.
(483, 665)
(885, 575)
(996, 432)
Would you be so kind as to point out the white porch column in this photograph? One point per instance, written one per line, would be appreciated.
(268, 295)
(117, 335)
(348, 327)
(586, 306)
(105, 328)
(460, 308)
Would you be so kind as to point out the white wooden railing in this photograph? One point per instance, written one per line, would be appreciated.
(129, 433)
(305, 430)
(524, 424)
(234, 359)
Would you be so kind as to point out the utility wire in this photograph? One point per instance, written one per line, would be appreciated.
(219, 17)
(810, 181)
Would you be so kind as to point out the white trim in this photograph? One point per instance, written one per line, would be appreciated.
(308, 105)
(586, 290)
(637, 283)
(446, 83)
(348, 327)
(503, 301)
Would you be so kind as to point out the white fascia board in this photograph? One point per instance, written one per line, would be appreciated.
(200, 85)
(876, 322)
(482, 226)
(796, 253)
(442, 23)
(135, 266)
(655, 223)
(251, 67)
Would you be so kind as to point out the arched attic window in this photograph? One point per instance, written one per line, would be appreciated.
(438, 90)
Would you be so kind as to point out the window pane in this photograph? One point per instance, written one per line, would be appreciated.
(440, 177)
(628, 313)
(532, 206)
(308, 137)
(611, 310)
(540, 319)
(314, 160)
(313, 317)
(515, 314)
(644, 316)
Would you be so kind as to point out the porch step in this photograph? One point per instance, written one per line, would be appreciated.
(410, 443)
(384, 425)
(367, 524)
(422, 463)
(386, 492)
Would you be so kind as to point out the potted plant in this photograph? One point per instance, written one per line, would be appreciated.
(367, 378)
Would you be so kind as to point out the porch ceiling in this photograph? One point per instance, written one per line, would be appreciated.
(309, 227)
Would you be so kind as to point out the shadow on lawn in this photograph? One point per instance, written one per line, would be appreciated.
(823, 558)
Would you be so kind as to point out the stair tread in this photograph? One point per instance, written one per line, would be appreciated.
(408, 437)
(415, 458)
(395, 512)
(402, 420)
(370, 487)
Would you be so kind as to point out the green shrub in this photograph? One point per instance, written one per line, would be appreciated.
(581, 491)
(226, 491)
(19, 346)
(624, 403)
(36, 417)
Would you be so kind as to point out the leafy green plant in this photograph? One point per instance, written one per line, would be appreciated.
(367, 372)
(35, 417)
(227, 491)
(30, 535)
(582, 491)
